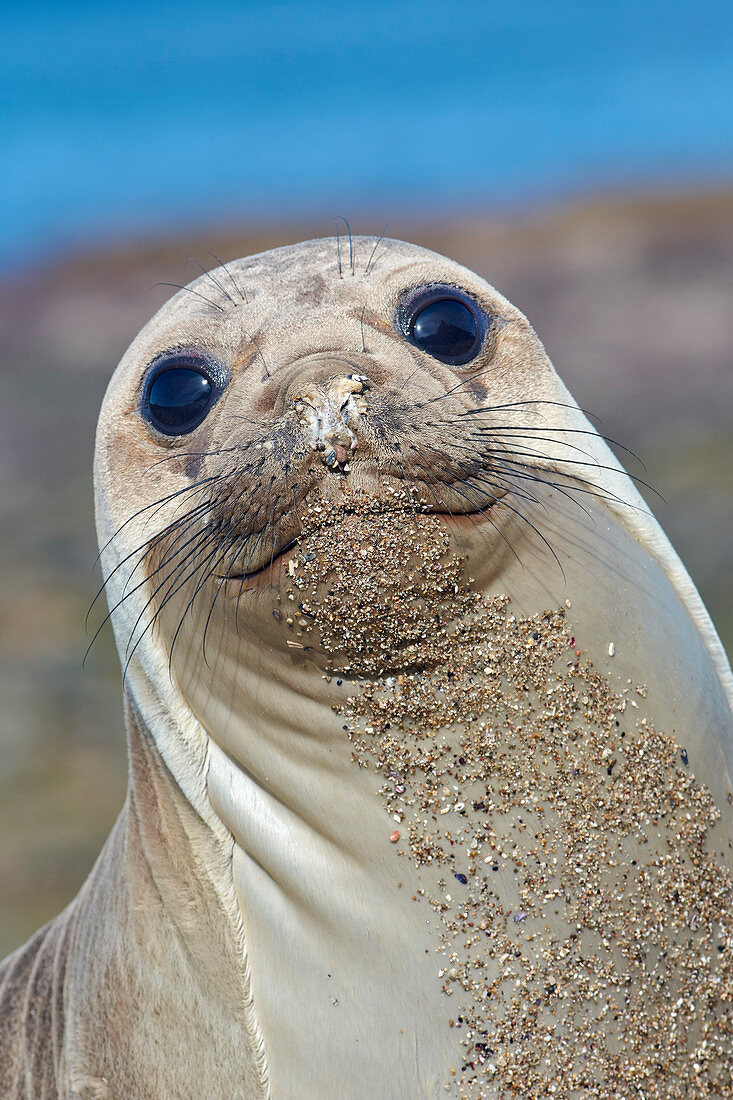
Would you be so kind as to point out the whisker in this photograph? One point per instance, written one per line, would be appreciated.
(338, 247)
(380, 238)
(177, 286)
(211, 278)
(137, 550)
(207, 576)
(200, 454)
(522, 429)
(563, 490)
(174, 587)
(247, 420)
(484, 511)
(525, 403)
(496, 481)
(182, 522)
(503, 504)
(409, 378)
(240, 290)
(200, 539)
(156, 505)
(496, 446)
(463, 382)
(341, 218)
(589, 465)
(144, 551)
(488, 439)
(581, 486)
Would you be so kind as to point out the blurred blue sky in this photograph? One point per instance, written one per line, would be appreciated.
(150, 116)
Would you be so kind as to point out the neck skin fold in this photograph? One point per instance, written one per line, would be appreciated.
(345, 977)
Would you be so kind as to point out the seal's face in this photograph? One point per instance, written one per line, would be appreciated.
(298, 376)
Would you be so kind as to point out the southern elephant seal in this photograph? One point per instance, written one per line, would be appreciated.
(429, 731)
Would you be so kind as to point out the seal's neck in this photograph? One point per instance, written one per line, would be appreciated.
(157, 947)
(343, 964)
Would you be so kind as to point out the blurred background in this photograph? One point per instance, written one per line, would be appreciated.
(579, 156)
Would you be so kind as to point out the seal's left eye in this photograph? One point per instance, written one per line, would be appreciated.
(177, 399)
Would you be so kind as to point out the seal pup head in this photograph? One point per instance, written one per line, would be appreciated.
(290, 377)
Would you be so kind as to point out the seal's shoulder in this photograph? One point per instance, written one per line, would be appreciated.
(32, 1013)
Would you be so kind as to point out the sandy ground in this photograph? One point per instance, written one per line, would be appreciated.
(633, 302)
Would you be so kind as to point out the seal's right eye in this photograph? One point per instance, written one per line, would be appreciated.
(443, 321)
(177, 397)
(446, 329)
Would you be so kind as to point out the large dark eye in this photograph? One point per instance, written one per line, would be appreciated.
(444, 323)
(179, 394)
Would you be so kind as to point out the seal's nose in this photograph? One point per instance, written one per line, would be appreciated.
(332, 412)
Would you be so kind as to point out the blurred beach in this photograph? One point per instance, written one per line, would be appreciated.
(579, 157)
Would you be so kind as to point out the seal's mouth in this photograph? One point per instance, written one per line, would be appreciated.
(266, 564)
(274, 561)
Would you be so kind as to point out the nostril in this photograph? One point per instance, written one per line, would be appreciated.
(331, 414)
